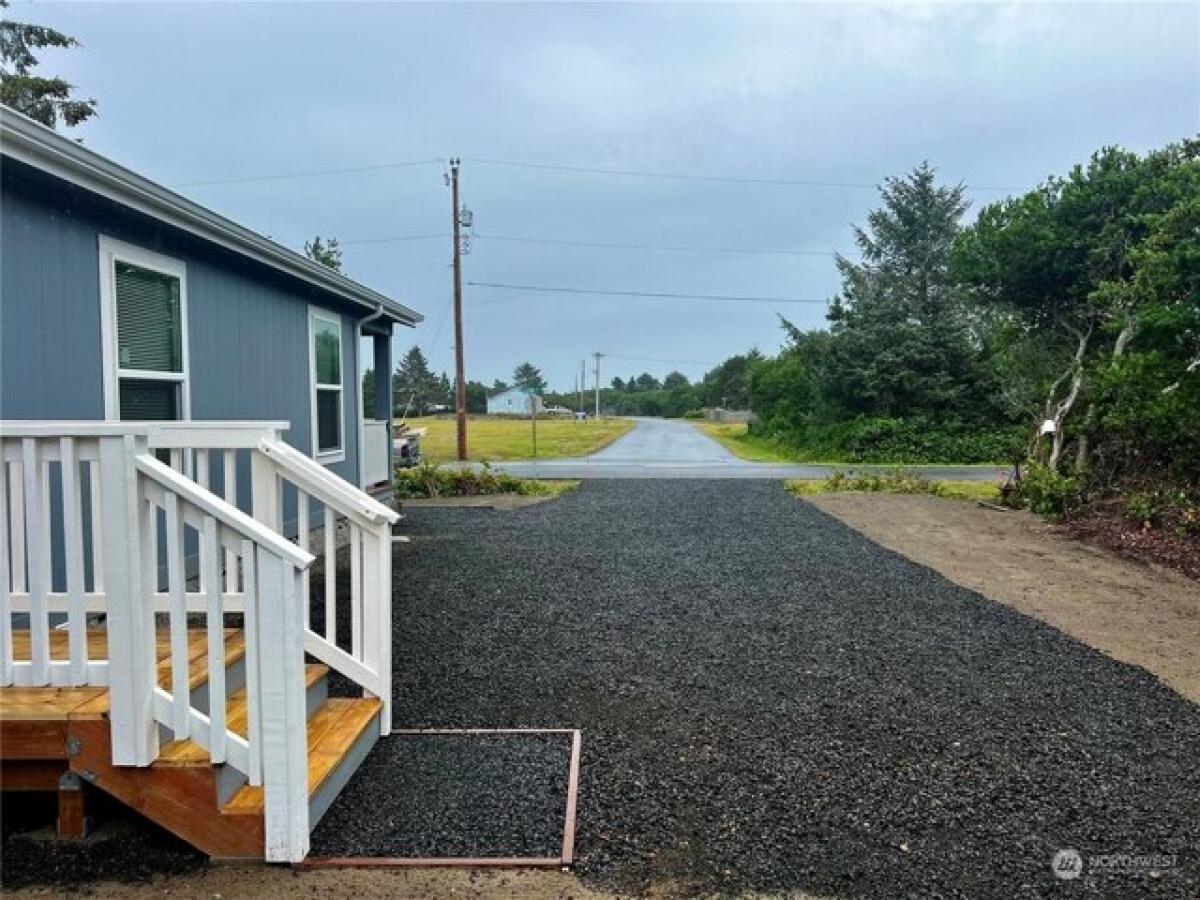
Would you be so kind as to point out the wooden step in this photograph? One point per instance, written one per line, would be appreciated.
(332, 732)
(182, 799)
(97, 644)
(53, 704)
(186, 752)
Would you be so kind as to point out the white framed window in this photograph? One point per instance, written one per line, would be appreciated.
(325, 359)
(143, 325)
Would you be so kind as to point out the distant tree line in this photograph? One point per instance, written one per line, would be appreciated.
(1060, 329)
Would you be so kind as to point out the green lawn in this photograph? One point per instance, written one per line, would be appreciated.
(498, 438)
(954, 490)
(759, 449)
(742, 445)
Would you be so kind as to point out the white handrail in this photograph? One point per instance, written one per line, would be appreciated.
(224, 512)
(318, 480)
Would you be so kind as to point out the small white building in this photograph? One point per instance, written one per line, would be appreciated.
(514, 401)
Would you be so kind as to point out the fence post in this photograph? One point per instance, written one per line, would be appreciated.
(130, 529)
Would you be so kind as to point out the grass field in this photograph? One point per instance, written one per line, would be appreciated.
(735, 438)
(953, 490)
(742, 445)
(503, 438)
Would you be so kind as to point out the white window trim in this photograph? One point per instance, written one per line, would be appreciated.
(112, 251)
(314, 313)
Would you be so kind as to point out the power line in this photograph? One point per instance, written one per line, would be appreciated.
(662, 295)
(389, 240)
(654, 359)
(608, 245)
(311, 174)
(688, 176)
(553, 167)
(677, 248)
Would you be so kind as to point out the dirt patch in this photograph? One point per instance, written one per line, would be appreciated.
(1106, 525)
(1137, 613)
(282, 883)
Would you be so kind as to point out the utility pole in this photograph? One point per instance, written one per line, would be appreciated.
(597, 355)
(460, 383)
(582, 381)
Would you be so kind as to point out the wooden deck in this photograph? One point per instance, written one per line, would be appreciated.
(180, 789)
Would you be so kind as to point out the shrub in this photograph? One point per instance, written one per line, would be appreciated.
(693, 414)
(1046, 492)
(431, 480)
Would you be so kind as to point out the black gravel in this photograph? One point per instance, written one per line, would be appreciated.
(125, 847)
(771, 702)
(453, 795)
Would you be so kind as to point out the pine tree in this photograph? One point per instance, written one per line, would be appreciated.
(529, 376)
(902, 345)
(46, 100)
(327, 253)
(414, 386)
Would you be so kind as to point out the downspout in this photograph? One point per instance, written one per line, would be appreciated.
(371, 318)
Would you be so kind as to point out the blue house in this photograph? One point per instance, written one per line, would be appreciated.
(189, 544)
(513, 401)
(121, 300)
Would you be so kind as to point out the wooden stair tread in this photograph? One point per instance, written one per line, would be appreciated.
(97, 644)
(19, 704)
(186, 752)
(332, 731)
(49, 703)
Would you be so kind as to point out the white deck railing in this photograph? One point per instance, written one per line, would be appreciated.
(92, 521)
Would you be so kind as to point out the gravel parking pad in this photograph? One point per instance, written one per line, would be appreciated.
(436, 795)
(771, 702)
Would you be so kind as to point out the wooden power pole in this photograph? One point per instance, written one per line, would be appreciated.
(460, 383)
(597, 355)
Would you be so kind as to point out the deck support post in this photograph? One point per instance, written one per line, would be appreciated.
(72, 809)
(131, 533)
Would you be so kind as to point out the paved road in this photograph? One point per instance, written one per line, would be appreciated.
(665, 448)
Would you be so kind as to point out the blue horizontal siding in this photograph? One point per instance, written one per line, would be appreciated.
(247, 325)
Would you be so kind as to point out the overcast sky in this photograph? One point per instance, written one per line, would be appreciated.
(997, 95)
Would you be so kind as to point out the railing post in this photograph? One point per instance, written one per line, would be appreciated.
(130, 530)
(264, 491)
(280, 654)
(377, 614)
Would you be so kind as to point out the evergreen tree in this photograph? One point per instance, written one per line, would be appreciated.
(529, 376)
(414, 386)
(46, 100)
(902, 344)
(327, 253)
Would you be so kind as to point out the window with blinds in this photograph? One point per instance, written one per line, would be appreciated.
(149, 327)
(144, 302)
(325, 334)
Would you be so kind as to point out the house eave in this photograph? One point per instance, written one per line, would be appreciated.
(31, 143)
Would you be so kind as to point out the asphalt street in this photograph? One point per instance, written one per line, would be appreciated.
(667, 448)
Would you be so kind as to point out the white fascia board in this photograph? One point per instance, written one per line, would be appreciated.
(29, 142)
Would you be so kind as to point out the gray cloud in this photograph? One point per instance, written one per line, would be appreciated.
(998, 95)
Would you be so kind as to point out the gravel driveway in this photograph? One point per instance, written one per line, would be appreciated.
(771, 702)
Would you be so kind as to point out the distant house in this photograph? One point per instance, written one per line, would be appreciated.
(514, 401)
